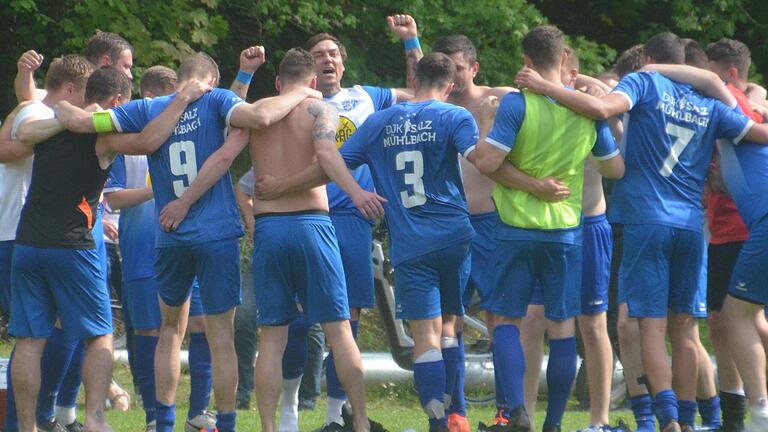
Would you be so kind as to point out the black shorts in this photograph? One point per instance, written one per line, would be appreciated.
(720, 262)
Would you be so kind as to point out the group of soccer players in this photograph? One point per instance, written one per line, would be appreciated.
(486, 191)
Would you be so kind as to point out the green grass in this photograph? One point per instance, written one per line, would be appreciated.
(396, 407)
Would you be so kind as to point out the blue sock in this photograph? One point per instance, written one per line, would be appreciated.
(333, 385)
(450, 351)
(686, 412)
(665, 407)
(225, 422)
(144, 347)
(508, 353)
(295, 354)
(53, 366)
(429, 377)
(67, 396)
(458, 403)
(501, 400)
(709, 409)
(643, 411)
(561, 373)
(199, 374)
(11, 423)
(165, 416)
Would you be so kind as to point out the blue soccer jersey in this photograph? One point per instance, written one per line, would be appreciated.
(745, 172)
(137, 223)
(173, 167)
(669, 134)
(354, 105)
(412, 151)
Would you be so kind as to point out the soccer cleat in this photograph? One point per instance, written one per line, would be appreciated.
(595, 428)
(332, 427)
(757, 423)
(551, 429)
(621, 426)
(457, 423)
(75, 426)
(517, 421)
(205, 422)
(151, 426)
(52, 426)
(346, 415)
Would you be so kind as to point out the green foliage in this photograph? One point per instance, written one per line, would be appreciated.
(163, 32)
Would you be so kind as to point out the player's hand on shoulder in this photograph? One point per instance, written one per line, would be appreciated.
(530, 79)
(194, 89)
(173, 214)
(550, 189)
(110, 229)
(252, 58)
(267, 188)
(403, 26)
(593, 90)
(488, 109)
(369, 203)
(311, 93)
(30, 61)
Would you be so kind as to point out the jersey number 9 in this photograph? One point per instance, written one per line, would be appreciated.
(186, 167)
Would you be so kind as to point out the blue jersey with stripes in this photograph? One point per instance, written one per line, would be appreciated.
(669, 136)
(412, 151)
(173, 167)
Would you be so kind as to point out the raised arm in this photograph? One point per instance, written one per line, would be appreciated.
(582, 103)
(404, 27)
(251, 59)
(705, 81)
(212, 170)
(266, 112)
(12, 150)
(24, 84)
(324, 140)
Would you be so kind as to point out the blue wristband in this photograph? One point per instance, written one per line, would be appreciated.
(412, 44)
(244, 77)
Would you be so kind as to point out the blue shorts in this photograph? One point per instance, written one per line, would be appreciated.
(6, 253)
(215, 264)
(596, 264)
(98, 237)
(433, 284)
(296, 255)
(68, 284)
(749, 281)
(663, 268)
(144, 307)
(522, 265)
(355, 240)
(483, 259)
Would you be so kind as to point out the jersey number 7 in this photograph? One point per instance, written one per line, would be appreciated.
(682, 137)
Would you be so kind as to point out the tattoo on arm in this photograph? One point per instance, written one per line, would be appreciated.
(412, 57)
(326, 121)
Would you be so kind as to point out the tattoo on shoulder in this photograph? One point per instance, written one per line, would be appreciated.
(326, 121)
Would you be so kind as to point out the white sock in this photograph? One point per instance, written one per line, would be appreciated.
(65, 415)
(289, 406)
(333, 413)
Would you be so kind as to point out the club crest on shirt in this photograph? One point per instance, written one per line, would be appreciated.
(349, 105)
(345, 130)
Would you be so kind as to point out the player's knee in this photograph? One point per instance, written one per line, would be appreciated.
(628, 329)
(592, 328)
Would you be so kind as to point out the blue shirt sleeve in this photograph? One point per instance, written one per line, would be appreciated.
(634, 87)
(465, 132)
(731, 123)
(354, 151)
(605, 144)
(509, 120)
(131, 117)
(225, 101)
(116, 179)
(382, 97)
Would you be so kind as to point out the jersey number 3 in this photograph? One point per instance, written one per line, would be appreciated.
(682, 137)
(412, 178)
(186, 167)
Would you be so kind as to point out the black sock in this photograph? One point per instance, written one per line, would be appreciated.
(734, 408)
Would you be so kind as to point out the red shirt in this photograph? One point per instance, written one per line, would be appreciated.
(725, 224)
